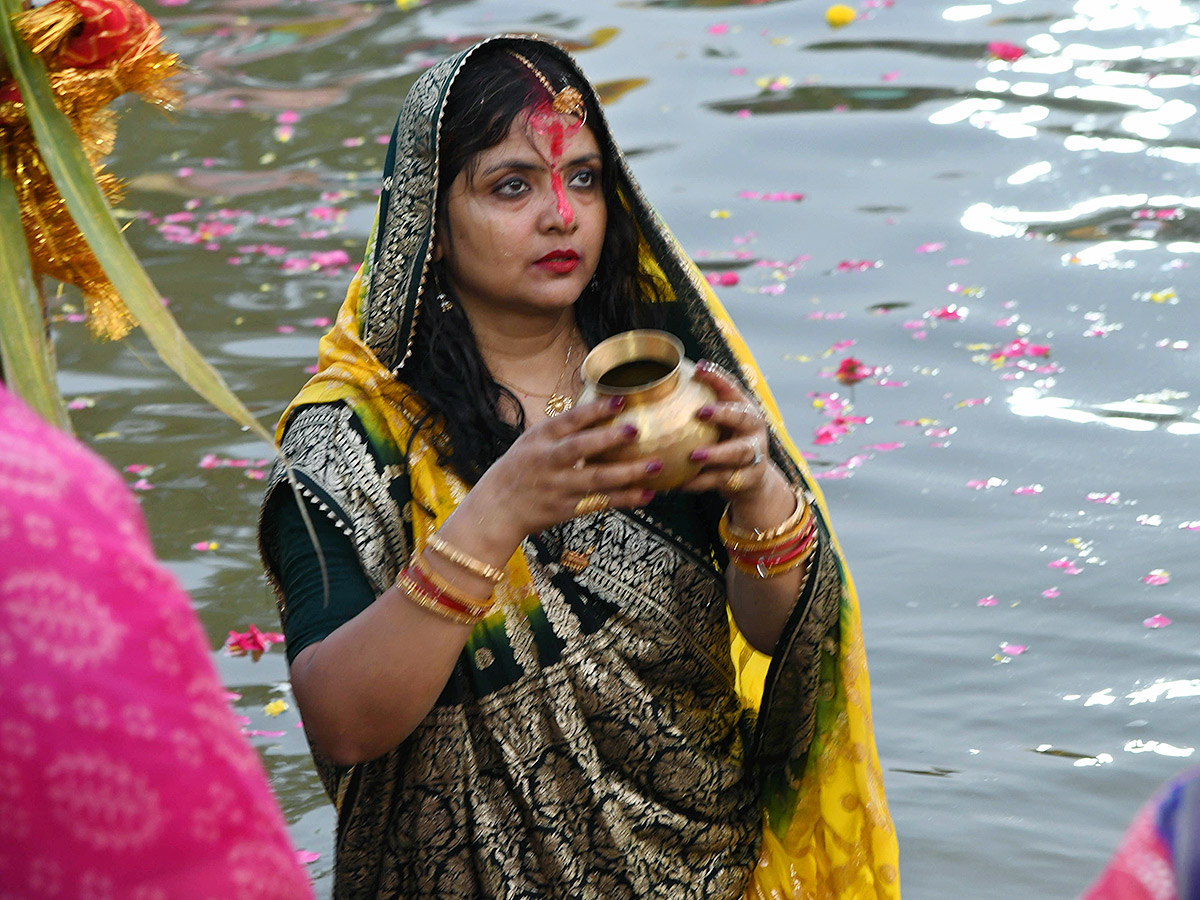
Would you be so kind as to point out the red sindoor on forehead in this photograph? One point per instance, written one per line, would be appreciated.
(545, 121)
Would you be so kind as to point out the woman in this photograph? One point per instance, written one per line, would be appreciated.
(517, 666)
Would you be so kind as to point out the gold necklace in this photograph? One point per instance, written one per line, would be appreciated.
(556, 403)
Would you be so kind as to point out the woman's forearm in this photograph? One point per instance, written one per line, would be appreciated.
(365, 688)
(761, 606)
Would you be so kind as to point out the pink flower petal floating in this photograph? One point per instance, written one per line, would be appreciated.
(1066, 564)
(724, 279)
(772, 196)
(205, 546)
(886, 447)
(857, 265)
(1051, 593)
(829, 403)
(255, 732)
(304, 857)
(1005, 51)
(932, 247)
(718, 28)
(1018, 348)
(973, 401)
(953, 312)
(852, 371)
(981, 484)
(1028, 490)
(1157, 577)
(253, 642)
(989, 600)
(1156, 621)
(1012, 649)
(830, 433)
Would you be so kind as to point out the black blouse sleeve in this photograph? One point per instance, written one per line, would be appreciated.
(308, 615)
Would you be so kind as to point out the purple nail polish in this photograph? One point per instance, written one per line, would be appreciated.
(706, 413)
(616, 402)
(654, 467)
(699, 455)
(647, 496)
(704, 365)
(629, 431)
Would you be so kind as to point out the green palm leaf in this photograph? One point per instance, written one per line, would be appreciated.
(73, 176)
(24, 347)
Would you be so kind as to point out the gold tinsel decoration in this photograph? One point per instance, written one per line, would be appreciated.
(93, 51)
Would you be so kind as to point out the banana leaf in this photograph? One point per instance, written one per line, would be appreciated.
(25, 348)
(64, 157)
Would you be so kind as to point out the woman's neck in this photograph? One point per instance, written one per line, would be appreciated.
(525, 347)
(536, 357)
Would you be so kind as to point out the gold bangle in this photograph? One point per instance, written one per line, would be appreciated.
(753, 539)
(465, 560)
(440, 584)
(807, 523)
(757, 534)
(418, 595)
(797, 540)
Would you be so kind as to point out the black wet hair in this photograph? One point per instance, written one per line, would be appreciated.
(446, 370)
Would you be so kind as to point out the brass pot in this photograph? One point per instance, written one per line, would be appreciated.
(662, 397)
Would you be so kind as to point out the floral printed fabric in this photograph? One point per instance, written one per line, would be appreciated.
(1159, 855)
(122, 771)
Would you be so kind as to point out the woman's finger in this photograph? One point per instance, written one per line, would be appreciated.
(728, 388)
(585, 415)
(595, 441)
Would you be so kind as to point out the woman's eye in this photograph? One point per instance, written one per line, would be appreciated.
(511, 187)
(585, 178)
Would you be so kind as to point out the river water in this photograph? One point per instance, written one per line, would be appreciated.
(1006, 245)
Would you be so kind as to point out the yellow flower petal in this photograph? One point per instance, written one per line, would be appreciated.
(839, 15)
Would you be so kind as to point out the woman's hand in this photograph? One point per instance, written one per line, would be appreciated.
(550, 474)
(738, 465)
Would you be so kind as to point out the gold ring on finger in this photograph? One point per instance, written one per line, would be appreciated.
(736, 481)
(594, 502)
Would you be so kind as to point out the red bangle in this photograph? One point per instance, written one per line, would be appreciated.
(778, 553)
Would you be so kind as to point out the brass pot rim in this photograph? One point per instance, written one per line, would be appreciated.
(628, 346)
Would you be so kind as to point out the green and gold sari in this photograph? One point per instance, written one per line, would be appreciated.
(607, 732)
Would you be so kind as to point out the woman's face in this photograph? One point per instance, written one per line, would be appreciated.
(524, 223)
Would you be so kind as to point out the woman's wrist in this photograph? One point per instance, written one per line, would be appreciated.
(484, 529)
(768, 504)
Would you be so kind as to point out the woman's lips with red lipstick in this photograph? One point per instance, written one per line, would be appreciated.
(560, 262)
